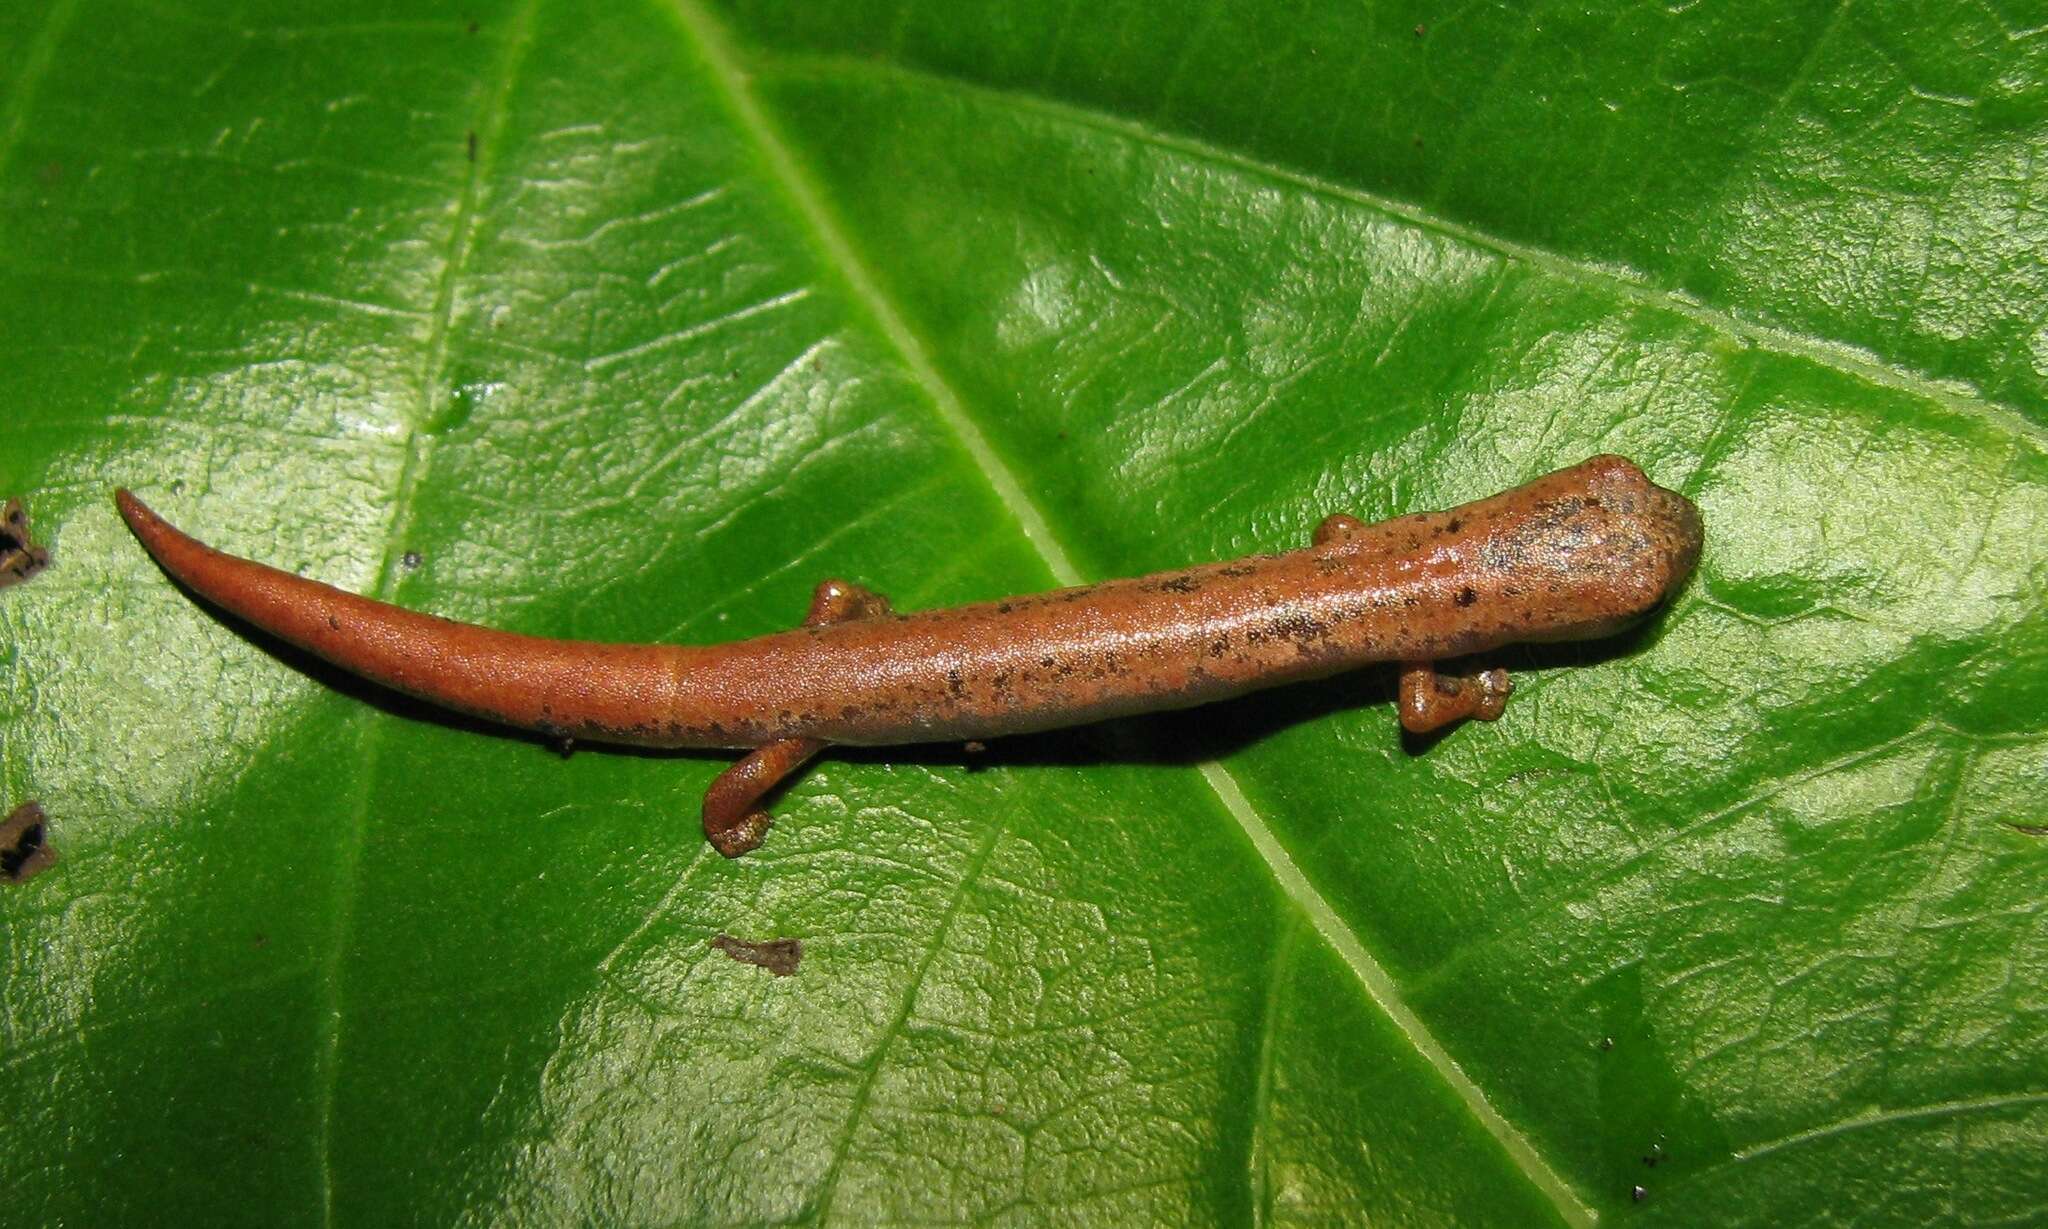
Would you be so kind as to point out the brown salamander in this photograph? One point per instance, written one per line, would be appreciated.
(1576, 554)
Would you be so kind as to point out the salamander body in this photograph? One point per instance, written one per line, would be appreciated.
(1575, 554)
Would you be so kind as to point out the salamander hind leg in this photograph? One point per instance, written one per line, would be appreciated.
(734, 820)
(1430, 700)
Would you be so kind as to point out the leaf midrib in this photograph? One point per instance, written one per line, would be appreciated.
(812, 211)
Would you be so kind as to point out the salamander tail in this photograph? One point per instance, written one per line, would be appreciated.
(604, 692)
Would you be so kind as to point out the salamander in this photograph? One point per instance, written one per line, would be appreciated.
(1576, 554)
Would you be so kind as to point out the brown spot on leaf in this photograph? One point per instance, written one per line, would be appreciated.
(778, 956)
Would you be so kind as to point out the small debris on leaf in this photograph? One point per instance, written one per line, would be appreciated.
(25, 849)
(778, 956)
(20, 557)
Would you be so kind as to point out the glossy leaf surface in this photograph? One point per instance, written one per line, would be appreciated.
(633, 322)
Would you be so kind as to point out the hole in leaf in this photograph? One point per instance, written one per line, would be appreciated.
(20, 557)
(25, 849)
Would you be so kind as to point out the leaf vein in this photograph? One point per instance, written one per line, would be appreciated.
(34, 63)
(1955, 396)
(370, 722)
(1913, 1113)
(829, 1187)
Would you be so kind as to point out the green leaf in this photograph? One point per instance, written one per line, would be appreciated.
(634, 321)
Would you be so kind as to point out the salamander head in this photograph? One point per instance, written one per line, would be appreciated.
(1590, 549)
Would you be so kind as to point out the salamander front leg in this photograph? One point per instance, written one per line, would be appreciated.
(1335, 527)
(734, 821)
(1430, 700)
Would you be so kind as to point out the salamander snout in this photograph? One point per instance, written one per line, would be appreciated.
(1677, 532)
(1601, 543)
(1649, 538)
